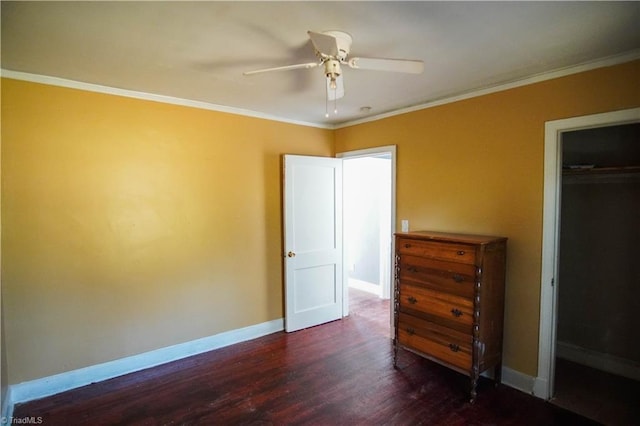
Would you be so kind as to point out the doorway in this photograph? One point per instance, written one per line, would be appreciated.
(598, 288)
(369, 217)
(554, 131)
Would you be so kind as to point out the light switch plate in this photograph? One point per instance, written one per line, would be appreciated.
(405, 225)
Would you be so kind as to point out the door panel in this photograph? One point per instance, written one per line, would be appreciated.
(310, 296)
(313, 240)
(314, 207)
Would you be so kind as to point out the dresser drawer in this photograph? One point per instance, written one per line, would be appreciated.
(429, 338)
(454, 310)
(456, 252)
(451, 277)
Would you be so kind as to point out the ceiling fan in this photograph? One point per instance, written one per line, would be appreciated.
(332, 49)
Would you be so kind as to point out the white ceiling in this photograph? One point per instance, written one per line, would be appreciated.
(198, 50)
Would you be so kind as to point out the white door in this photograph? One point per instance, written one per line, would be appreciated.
(312, 240)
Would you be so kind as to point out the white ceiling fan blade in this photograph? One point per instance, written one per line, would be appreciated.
(381, 64)
(323, 43)
(284, 68)
(338, 92)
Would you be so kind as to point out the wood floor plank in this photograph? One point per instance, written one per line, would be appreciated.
(339, 373)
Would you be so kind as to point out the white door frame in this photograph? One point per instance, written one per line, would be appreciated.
(388, 285)
(544, 383)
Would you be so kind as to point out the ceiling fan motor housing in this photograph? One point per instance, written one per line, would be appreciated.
(343, 41)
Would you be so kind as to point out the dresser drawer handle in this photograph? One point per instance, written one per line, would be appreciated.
(412, 300)
(407, 245)
(412, 269)
(460, 252)
(456, 313)
(454, 347)
(411, 331)
(458, 278)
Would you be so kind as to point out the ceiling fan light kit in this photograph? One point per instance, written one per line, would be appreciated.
(332, 71)
(332, 49)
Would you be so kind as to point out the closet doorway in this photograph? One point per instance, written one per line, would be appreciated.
(597, 364)
(550, 274)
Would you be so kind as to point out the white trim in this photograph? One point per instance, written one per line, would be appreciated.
(7, 407)
(46, 386)
(364, 286)
(40, 388)
(372, 152)
(598, 360)
(550, 233)
(514, 379)
(517, 380)
(541, 388)
(537, 78)
(587, 66)
(90, 87)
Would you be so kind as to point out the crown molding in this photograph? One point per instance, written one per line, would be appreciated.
(537, 78)
(90, 87)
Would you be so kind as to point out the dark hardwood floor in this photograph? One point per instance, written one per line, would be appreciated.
(339, 373)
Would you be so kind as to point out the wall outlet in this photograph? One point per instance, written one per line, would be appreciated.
(405, 225)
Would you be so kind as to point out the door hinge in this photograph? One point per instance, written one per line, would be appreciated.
(553, 282)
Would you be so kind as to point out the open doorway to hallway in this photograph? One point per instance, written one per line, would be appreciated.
(369, 223)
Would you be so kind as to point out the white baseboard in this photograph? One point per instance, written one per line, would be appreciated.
(517, 380)
(601, 361)
(541, 388)
(514, 379)
(7, 407)
(365, 286)
(46, 386)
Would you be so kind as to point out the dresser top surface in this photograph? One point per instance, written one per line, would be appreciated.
(450, 237)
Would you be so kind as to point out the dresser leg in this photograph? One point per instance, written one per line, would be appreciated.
(473, 393)
(395, 354)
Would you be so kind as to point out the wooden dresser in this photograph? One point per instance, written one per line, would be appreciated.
(449, 300)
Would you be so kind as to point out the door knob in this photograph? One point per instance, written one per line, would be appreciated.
(291, 254)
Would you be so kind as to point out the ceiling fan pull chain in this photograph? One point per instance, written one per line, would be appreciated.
(326, 104)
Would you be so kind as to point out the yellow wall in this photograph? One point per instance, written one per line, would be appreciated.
(130, 225)
(477, 166)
